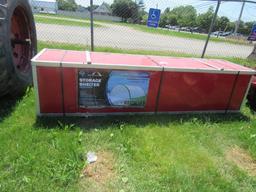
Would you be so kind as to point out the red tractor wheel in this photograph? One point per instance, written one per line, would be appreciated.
(17, 46)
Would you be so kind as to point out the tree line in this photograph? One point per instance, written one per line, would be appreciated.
(182, 16)
(187, 16)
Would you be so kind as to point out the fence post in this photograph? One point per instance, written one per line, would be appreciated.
(211, 28)
(92, 26)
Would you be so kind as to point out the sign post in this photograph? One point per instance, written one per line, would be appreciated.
(154, 18)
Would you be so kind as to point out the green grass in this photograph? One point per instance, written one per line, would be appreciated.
(68, 46)
(35, 157)
(71, 17)
(58, 16)
(58, 45)
(63, 21)
(152, 153)
(184, 34)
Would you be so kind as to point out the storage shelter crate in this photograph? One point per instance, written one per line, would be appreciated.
(81, 83)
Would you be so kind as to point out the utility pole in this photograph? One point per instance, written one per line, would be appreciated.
(239, 19)
(92, 27)
(211, 27)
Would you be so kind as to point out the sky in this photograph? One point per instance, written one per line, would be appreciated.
(229, 9)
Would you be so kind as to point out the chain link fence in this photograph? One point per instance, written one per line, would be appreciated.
(122, 25)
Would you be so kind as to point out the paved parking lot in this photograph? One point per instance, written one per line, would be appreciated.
(117, 36)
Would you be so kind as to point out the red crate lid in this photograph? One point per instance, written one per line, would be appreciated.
(50, 55)
(57, 57)
(126, 61)
(180, 63)
(201, 65)
(75, 57)
(85, 59)
(226, 65)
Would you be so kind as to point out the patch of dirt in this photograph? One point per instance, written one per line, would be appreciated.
(102, 170)
(242, 159)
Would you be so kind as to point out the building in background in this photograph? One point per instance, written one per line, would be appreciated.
(80, 8)
(44, 6)
(103, 9)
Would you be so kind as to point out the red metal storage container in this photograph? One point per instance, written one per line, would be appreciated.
(190, 85)
(90, 83)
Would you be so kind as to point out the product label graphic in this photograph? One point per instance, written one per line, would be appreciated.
(112, 89)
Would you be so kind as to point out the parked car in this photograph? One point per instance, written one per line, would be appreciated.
(217, 33)
(196, 29)
(236, 34)
(225, 34)
(185, 29)
(172, 27)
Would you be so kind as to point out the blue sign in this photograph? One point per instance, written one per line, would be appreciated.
(252, 36)
(154, 17)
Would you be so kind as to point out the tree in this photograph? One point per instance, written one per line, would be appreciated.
(125, 9)
(204, 20)
(222, 23)
(67, 5)
(141, 16)
(245, 28)
(182, 15)
(185, 15)
(144, 19)
(164, 17)
(231, 26)
(167, 18)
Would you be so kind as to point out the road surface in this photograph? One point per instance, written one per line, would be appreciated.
(118, 36)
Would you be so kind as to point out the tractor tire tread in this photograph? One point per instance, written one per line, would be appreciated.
(4, 77)
(10, 82)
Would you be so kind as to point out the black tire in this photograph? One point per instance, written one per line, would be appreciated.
(18, 44)
(251, 98)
